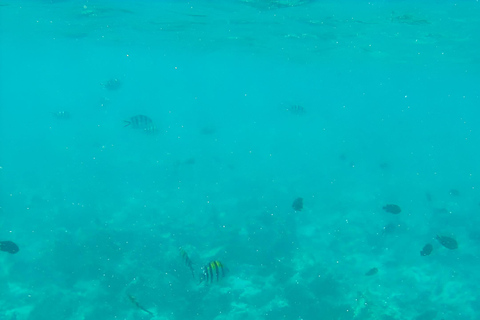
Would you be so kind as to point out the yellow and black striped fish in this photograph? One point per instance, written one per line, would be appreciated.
(186, 259)
(213, 271)
(141, 122)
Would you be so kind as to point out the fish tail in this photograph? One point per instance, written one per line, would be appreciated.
(146, 310)
(127, 123)
(138, 305)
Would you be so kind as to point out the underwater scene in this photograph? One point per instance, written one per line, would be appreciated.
(239, 160)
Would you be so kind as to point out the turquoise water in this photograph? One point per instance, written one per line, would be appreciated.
(348, 105)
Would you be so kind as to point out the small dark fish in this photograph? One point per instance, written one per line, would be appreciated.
(409, 19)
(371, 272)
(392, 208)
(298, 204)
(189, 161)
(8, 246)
(141, 122)
(427, 249)
(186, 259)
(454, 192)
(61, 115)
(112, 84)
(135, 302)
(384, 165)
(296, 109)
(208, 130)
(447, 242)
(214, 271)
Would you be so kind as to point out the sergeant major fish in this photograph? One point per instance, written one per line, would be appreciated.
(297, 109)
(141, 122)
(186, 259)
(213, 271)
